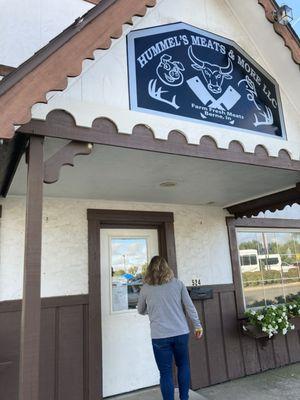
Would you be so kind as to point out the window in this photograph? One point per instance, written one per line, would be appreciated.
(269, 264)
(129, 260)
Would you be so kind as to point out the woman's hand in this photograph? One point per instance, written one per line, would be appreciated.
(198, 332)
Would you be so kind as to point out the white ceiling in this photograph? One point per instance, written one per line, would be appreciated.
(112, 173)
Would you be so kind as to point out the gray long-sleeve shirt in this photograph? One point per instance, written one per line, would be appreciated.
(164, 305)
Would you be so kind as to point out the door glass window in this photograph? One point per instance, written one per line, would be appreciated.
(128, 262)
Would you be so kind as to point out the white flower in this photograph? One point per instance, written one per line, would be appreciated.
(260, 317)
(244, 328)
(273, 314)
(270, 326)
(279, 320)
(252, 312)
(276, 326)
(270, 335)
(292, 327)
(264, 329)
(284, 331)
(290, 307)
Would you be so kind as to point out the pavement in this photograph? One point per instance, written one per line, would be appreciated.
(277, 384)
(154, 394)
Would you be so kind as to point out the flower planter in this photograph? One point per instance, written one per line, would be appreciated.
(253, 331)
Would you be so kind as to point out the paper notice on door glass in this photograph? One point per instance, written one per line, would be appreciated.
(119, 296)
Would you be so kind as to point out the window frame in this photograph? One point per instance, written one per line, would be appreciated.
(233, 225)
(105, 218)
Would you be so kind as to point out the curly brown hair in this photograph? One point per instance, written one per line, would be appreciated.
(158, 272)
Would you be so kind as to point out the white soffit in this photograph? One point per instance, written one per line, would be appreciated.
(111, 173)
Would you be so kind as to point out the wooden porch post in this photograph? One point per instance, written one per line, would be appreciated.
(31, 304)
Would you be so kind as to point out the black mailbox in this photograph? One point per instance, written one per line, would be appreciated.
(200, 293)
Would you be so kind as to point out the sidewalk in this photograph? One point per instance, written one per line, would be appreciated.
(154, 394)
(277, 384)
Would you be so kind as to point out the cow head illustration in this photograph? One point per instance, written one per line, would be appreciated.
(213, 74)
(169, 72)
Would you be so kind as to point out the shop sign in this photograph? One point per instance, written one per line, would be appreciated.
(184, 72)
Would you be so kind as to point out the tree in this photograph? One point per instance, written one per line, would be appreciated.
(133, 270)
(252, 245)
(144, 268)
(119, 272)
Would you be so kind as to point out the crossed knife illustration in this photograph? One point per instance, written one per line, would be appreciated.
(228, 99)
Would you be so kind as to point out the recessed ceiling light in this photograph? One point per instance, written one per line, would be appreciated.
(168, 184)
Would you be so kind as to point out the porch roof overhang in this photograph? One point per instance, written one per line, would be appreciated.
(272, 202)
(229, 176)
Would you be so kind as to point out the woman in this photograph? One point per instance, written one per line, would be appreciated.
(162, 297)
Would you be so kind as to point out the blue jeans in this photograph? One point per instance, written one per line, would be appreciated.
(164, 351)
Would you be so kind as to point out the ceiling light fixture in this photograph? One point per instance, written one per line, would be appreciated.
(168, 184)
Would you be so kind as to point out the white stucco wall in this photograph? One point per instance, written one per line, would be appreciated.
(28, 25)
(102, 89)
(200, 234)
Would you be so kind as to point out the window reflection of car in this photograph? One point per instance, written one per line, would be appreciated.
(251, 261)
(133, 288)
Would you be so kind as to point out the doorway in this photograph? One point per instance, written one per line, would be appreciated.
(125, 253)
(121, 244)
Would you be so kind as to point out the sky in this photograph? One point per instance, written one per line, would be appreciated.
(295, 5)
(128, 252)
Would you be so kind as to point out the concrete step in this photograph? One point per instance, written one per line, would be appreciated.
(154, 394)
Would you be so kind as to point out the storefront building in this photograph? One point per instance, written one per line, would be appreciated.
(181, 121)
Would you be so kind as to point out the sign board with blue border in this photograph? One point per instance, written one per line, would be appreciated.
(183, 72)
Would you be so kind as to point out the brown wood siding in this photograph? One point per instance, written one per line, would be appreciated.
(63, 345)
(222, 355)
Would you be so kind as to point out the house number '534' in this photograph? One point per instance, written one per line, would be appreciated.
(196, 282)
